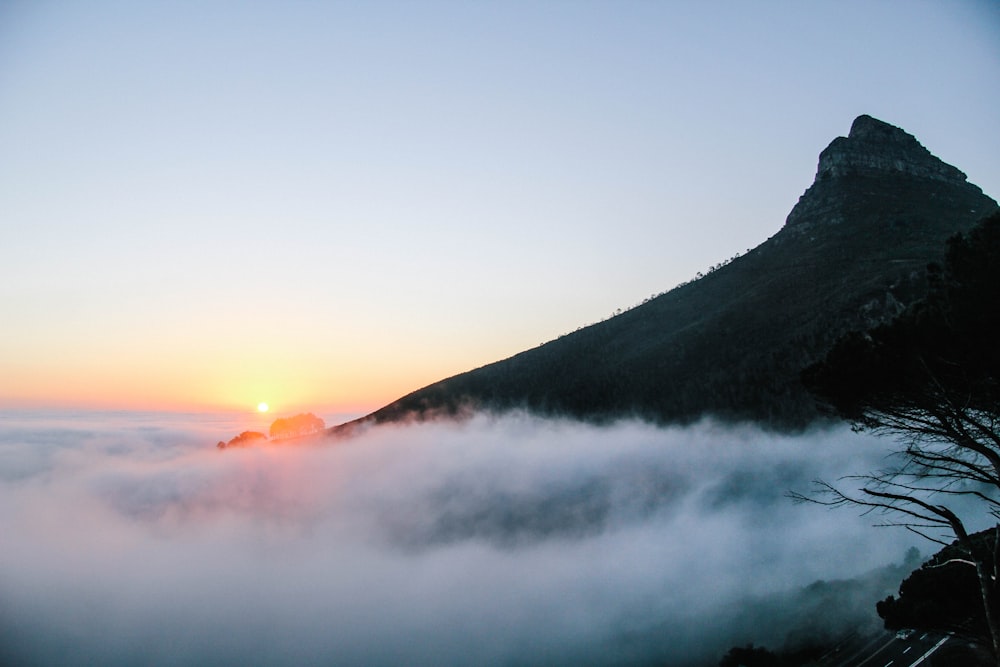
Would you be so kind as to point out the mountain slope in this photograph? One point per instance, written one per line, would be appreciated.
(731, 344)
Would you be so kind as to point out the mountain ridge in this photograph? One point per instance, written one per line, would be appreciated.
(730, 344)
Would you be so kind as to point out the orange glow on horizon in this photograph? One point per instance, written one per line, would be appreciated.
(209, 378)
(172, 390)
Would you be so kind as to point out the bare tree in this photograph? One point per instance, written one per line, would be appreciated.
(931, 379)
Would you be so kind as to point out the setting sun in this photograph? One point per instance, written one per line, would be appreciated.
(262, 407)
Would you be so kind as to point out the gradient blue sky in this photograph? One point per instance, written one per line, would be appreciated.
(329, 204)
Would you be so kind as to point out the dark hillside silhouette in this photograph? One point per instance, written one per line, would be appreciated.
(731, 344)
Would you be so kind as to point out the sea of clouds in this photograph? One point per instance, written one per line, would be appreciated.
(131, 539)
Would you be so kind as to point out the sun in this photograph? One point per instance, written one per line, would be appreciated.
(262, 407)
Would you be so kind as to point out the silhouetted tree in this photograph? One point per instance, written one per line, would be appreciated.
(942, 594)
(244, 439)
(749, 656)
(931, 378)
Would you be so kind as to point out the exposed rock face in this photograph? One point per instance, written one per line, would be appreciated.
(876, 158)
(878, 148)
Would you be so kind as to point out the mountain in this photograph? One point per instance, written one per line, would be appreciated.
(731, 344)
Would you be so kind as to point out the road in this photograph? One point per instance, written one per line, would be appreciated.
(886, 650)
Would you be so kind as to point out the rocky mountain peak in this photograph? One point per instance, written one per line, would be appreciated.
(876, 163)
(874, 147)
(866, 127)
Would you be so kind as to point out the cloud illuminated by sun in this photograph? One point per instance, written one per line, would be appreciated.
(262, 407)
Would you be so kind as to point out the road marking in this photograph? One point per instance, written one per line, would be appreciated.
(923, 635)
(889, 663)
(864, 650)
(907, 649)
(933, 648)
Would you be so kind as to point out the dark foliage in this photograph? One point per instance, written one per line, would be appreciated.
(931, 378)
(244, 439)
(758, 656)
(942, 595)
(750, 656)
(941, 351)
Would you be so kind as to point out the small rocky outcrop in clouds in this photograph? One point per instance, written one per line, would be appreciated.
(293, 427)
(283, 428)
(244, 439)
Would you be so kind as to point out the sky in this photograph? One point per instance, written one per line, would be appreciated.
(327, 205)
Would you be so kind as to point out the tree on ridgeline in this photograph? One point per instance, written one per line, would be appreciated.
(931, 379)
(244, 439)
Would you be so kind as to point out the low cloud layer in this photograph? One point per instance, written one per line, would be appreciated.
(508, 541)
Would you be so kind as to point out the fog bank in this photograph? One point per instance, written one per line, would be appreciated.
(496, 541)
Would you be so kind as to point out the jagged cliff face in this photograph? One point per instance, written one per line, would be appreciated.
(877, 148)
(851, 254)
(881, 158)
